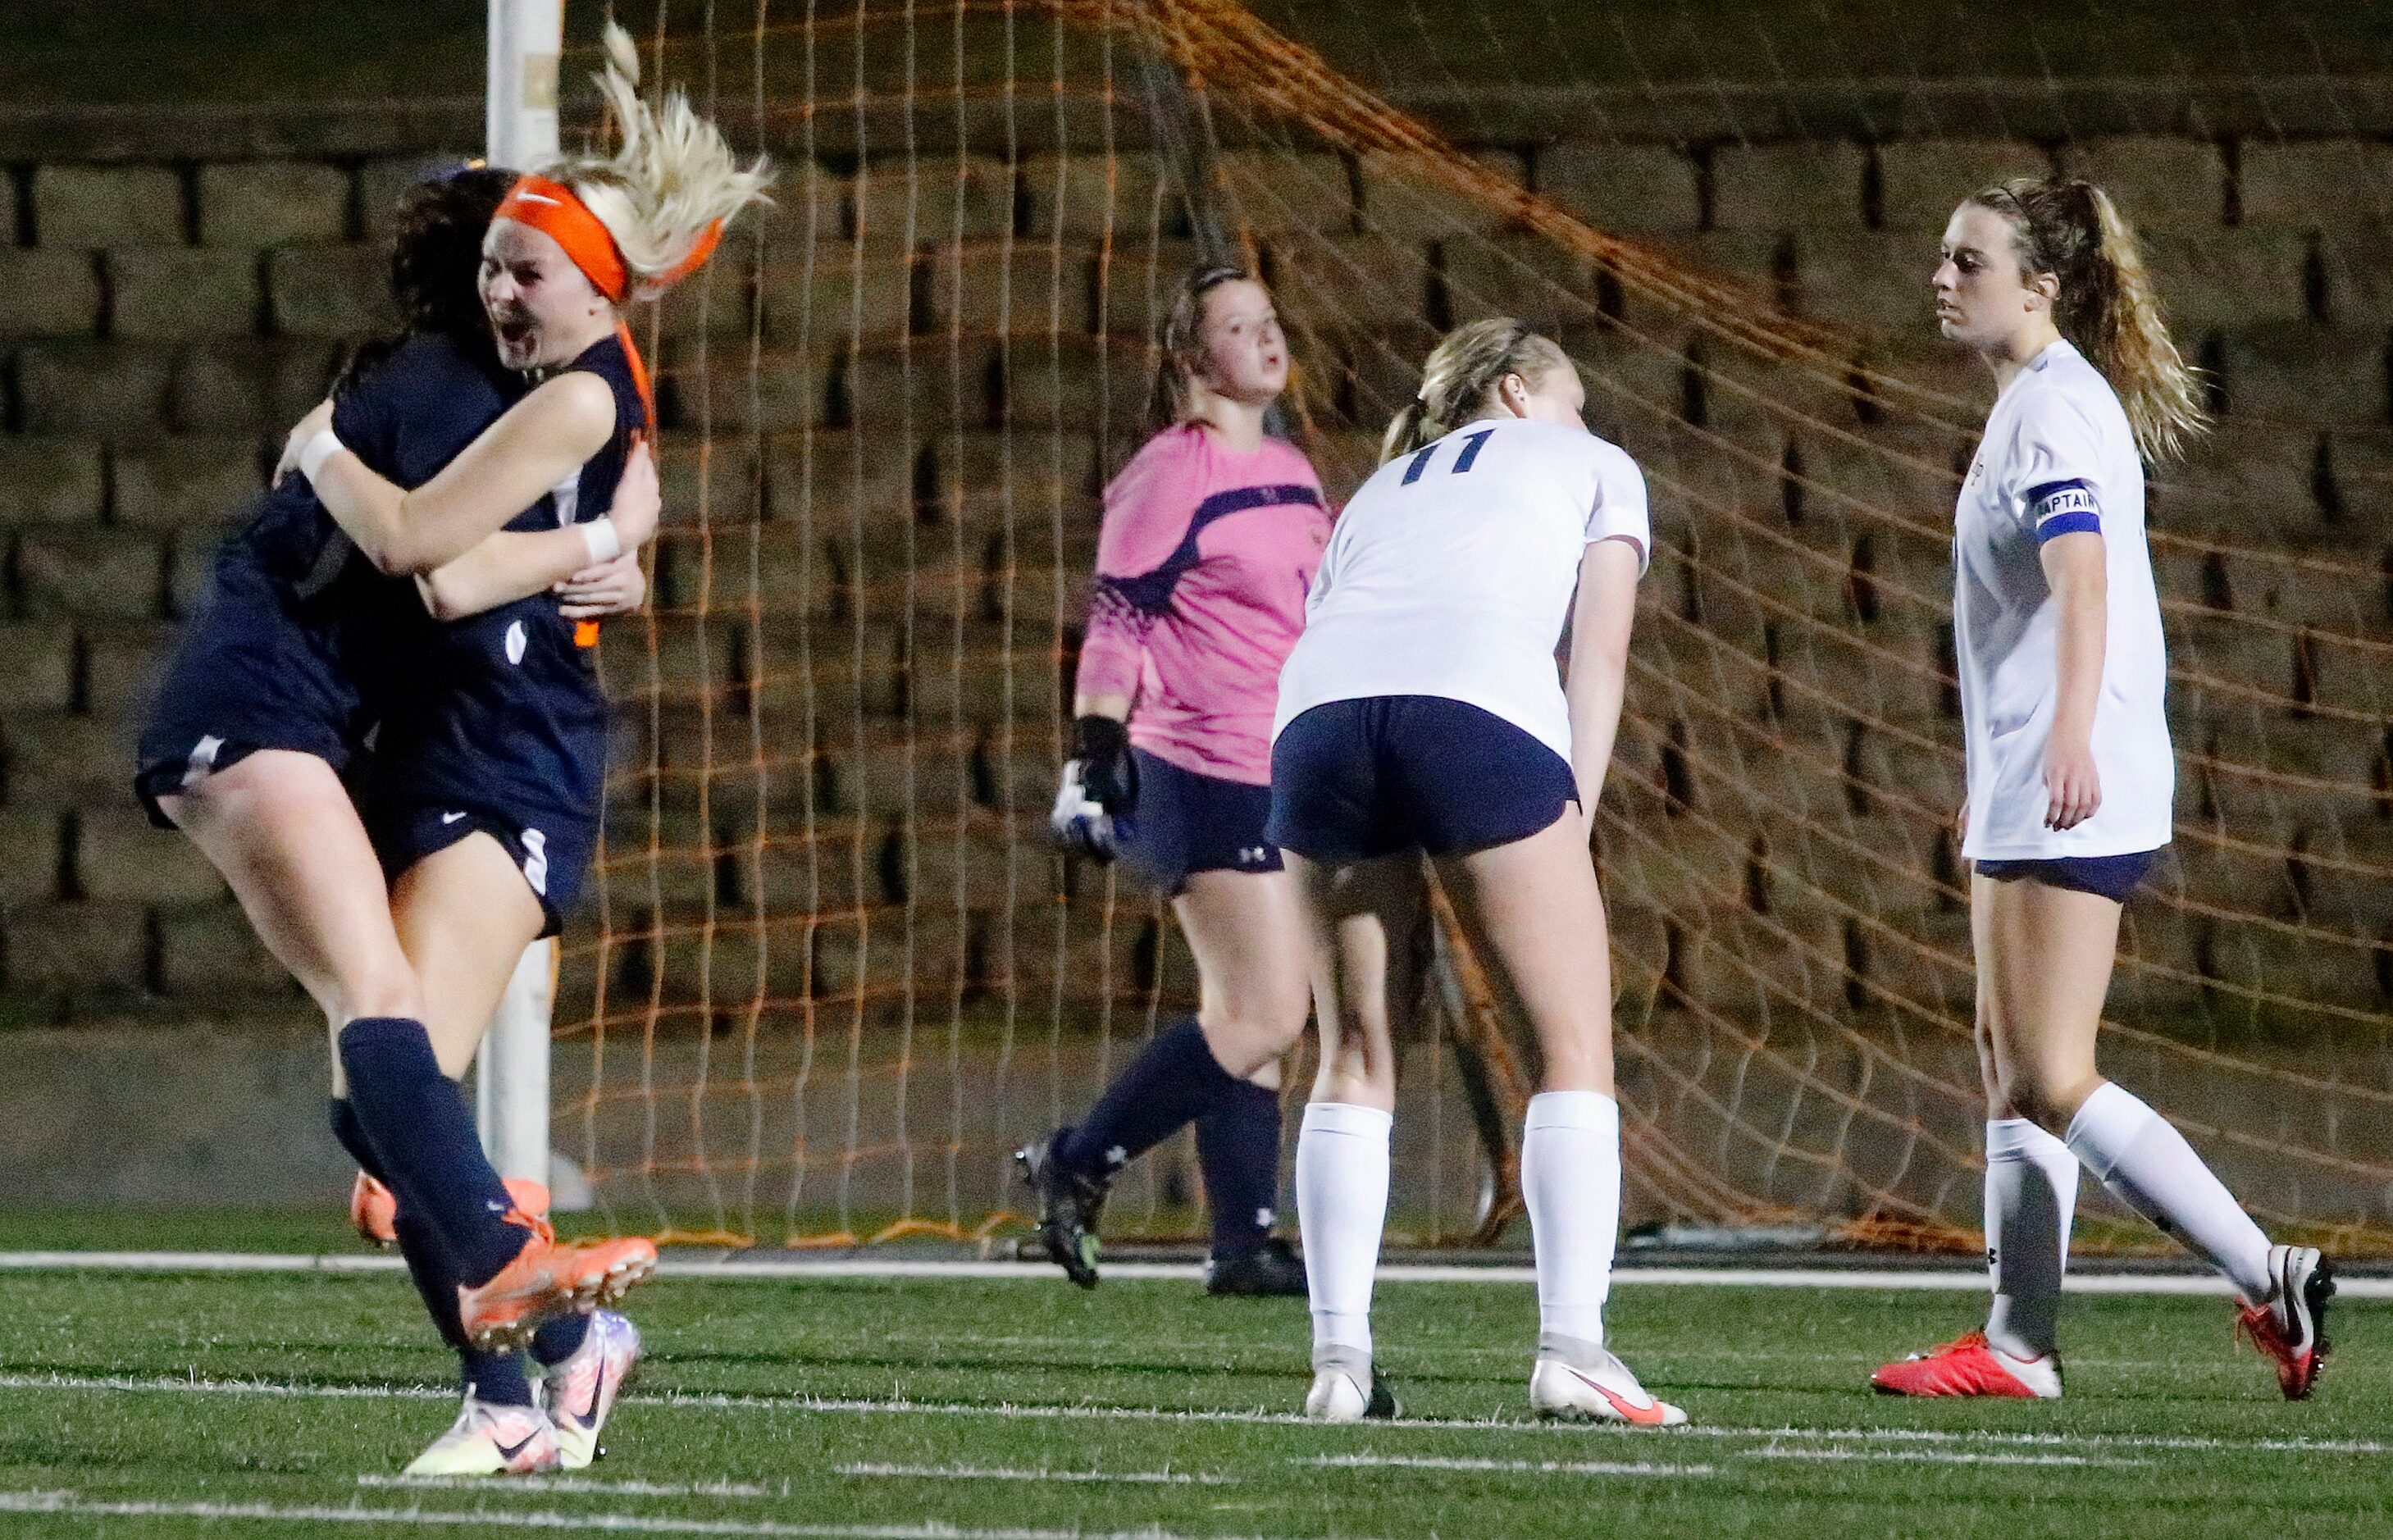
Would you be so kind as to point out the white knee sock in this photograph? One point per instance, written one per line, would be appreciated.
(1341, 1204)
(2148, 1165)
(2031, 1201)
(1569, 1182)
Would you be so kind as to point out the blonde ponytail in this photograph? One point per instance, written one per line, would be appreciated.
(671, 182)
(2107, 307)
(1412, 428)
(2160, 391)
(1459, 381)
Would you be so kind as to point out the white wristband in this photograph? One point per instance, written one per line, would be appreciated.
(599, 535)
(318, 450)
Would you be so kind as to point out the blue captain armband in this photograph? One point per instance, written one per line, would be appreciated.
(2062, 508)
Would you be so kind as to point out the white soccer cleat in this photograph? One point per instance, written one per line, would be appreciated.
(2291, 1325)
(1575, 1381)
(491, 1441)
(1347, 1388)
(581, 1391)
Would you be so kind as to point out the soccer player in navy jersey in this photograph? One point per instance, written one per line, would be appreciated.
(486, 789)
(271, 691)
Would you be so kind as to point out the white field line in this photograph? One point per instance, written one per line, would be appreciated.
(1100, 1354)
(1527, 1468)
(578, 1485)
(1935, 1456)
(749, 1265)
(1040, 1473)
(722, 1401)
(75, 1504)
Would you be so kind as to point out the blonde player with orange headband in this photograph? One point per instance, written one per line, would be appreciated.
(484, 792)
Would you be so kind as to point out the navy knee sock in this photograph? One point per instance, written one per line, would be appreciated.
(352, 1136)
(1237, 1150)
(414, 1119)
(559, 1339)
(492, 1376)
(1173, 1081)
(496, 1377)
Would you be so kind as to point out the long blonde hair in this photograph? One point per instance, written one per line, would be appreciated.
(2069, 228)
(1458, 383)
(671, 179)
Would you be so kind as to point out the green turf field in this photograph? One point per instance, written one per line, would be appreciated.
(287, 1404)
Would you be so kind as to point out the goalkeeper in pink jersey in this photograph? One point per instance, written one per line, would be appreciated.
(1211, 535)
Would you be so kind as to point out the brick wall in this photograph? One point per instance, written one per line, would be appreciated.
(173, 299)
(163, 318)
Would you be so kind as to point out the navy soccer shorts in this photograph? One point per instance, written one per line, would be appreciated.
(1354, 779)
(256, 667)
(2111, 877)
(1183, 823)
(553, 852)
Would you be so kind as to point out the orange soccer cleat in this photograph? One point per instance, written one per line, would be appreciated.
(548, 1278)
(2291, 1327)
(1970, 1366)
(373, 1208)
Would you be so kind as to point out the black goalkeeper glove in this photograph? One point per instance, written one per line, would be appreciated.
(1108, 777)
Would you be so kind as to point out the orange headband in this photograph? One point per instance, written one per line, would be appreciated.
(556, 211)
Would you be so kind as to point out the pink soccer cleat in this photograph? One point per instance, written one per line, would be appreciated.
(1970, 1366)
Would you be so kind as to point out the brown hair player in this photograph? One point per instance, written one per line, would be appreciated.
(2062, 668)
(268, 698)
(484, 795)
(1212, 533)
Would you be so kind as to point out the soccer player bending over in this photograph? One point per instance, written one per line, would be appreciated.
(1422, 713)
(1212, 533)
(2058, 630)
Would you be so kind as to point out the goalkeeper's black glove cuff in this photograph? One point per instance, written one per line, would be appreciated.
(1099, 739)
(1100, 744)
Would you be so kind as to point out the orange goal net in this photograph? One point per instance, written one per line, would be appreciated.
(835, 973)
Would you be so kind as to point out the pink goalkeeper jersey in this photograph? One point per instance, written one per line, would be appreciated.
(1202, 569)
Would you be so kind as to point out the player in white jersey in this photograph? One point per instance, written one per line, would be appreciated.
(1420, 713)
(2062, 670)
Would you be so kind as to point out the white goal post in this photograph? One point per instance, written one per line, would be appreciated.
(510, 1074)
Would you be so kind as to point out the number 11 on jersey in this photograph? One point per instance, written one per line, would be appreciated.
(1472, 445)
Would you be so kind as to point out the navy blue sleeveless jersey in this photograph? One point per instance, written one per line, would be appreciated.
(271, 658)
(501, 724)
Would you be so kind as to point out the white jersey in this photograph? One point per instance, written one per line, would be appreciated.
(1451, 574)
(2058, 456)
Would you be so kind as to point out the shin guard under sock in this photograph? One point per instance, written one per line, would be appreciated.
(1237, 1150)
(415, 1121)
(1341, 1207)
(496, 1377)
(1174, 1080)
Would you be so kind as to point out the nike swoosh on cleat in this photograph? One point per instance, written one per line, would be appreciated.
(511, 1451)
(1650, 1412)
(597, 1399)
